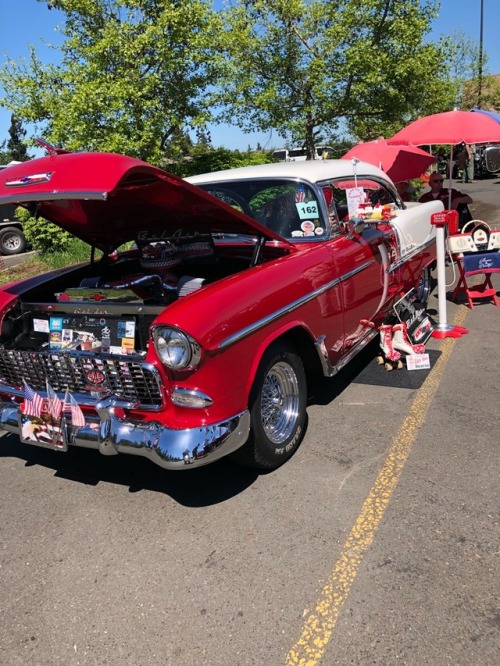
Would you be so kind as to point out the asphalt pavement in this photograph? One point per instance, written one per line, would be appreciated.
(486, 197)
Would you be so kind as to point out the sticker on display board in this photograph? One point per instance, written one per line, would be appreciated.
(307, 227)
(56, 324)
(307, 210)
(128, 344)
(55, 339)
(113, 349)
(67, 337)
(126, 329)
(319, 231)
(355, 196)
(418, 362)
(41, 325)
(297, 234)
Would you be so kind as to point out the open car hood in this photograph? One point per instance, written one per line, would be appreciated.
(106, 199)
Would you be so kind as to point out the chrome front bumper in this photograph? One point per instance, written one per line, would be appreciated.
(170, 449)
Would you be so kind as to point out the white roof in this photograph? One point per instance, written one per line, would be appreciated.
(312, 170)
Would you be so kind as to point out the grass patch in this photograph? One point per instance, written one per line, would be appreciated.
(29, 268)
(77, 252)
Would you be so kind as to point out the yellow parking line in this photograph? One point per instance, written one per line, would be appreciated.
(320, 623)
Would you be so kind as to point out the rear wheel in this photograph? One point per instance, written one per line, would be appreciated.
(12, 241)
(424, 286)
(277, 409)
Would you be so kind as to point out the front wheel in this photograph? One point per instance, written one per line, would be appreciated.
(277, 409)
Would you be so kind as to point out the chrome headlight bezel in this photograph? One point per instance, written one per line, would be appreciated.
(176, 350)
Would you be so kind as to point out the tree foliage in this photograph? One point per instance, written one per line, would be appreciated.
(132, 76)
(473, 85)
(137, 76)
(14, 148)
(204, 159)
(303, 66)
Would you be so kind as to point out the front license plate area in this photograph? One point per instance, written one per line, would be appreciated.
(42, 432)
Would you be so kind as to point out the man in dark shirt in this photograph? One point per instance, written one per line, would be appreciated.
(437, 191)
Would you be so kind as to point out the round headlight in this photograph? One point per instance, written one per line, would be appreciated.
(175, 349)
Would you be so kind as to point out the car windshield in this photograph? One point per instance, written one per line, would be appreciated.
(289, 208)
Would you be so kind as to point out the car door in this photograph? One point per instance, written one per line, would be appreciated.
(361, 262)
(361, 257)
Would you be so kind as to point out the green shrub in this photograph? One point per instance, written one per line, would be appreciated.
(75, 252)
(45, 237)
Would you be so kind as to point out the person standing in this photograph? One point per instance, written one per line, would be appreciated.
(470, 164)
(465, 162)
(442, 161)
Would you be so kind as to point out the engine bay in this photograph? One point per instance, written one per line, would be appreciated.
(108, 305)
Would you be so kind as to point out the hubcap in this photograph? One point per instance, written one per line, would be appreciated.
(11, 241)
(424, 287)
(280, 402)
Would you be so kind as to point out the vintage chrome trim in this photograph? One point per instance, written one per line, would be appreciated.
(194, 346)
(53, 196)
(129, 375)
(93, 308)
(330, 370)
(85, 400)
(31, 179)
(248, 330)
(181, 396)
(414, 252)
(111, 434)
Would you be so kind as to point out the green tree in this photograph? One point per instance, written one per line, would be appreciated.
(474, 86)
(14, 148)
(205, 159)
(131, 77)
(310, 66)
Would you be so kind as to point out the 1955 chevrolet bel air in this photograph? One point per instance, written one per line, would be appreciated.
(206, 306)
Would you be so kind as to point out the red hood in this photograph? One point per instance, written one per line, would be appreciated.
(106, 199)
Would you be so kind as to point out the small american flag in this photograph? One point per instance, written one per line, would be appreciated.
(300, 196)
(55, 405)
(77, 417)
(33, 402)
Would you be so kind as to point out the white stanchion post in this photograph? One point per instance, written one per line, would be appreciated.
(443, 329)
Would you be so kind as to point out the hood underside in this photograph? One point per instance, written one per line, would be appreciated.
(107, 199)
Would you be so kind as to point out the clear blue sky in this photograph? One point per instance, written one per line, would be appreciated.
(25, 22)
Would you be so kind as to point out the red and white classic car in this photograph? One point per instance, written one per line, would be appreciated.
(198, 340)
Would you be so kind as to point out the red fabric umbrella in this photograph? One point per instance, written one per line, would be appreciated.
(451, 127)
(399, 162)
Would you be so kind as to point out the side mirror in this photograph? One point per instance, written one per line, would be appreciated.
(355, 227)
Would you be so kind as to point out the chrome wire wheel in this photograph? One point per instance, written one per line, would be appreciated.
(278, 409)
(424, 287)
(280, 402)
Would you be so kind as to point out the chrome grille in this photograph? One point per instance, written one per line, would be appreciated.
(127, 377)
